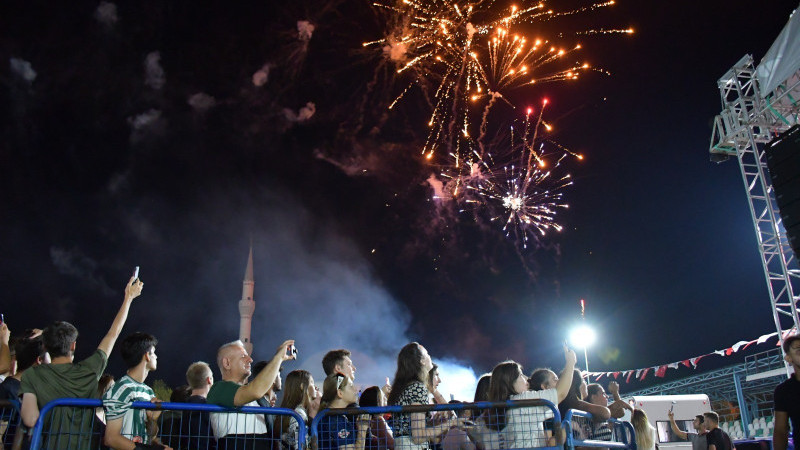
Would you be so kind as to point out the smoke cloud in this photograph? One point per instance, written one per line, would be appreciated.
(261, 76)
(76, 264)
(154, 75)
(106, 14)
(303, 114)
(305, 30)
(22, 69)
(202, 102)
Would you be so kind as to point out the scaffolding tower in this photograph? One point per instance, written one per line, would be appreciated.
(748, 121)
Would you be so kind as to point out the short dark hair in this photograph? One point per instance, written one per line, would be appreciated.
(593, 389)
(28, 351)
(58, 338)
(538, 378)
(712, 415)
(332, 358)
(135, 346)
(256, 368)
(787, 343)
(700, 418)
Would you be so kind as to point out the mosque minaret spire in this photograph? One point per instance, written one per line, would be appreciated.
(246, 305)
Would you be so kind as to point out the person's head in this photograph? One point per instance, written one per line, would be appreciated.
(413, 364)
(507, 380)
(104, 383)
(29, 352)
(542, 379)
(139, 348)
(596, 395)
(372, 396)
(699, 423)
(299, 390)
(433, 377)
(338, 361)
(59, 339)
(338, 390)
(199, 376)
(791, 350)
(259, 366)
(710, 420)
(482, 389)
(181, 394)
(644, 438)
(234, 362)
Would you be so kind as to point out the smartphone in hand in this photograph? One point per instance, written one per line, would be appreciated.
(136, 273)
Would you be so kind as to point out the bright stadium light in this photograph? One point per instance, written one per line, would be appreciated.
(583, 336)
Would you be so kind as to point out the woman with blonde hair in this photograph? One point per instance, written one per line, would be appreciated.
(645, 433)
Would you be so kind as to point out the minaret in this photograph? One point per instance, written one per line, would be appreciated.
(247, 305)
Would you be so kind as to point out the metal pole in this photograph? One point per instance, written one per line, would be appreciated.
(586, 358)
(745, 414)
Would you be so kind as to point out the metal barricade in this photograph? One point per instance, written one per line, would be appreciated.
(466, 426)
(582, 431)
(11, 431)
(77, 424)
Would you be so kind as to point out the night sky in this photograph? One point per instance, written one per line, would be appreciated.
(114, 156)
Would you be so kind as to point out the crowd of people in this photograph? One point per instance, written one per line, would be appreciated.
(43, 369)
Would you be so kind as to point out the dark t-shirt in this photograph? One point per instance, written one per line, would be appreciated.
(9, 389)
(787, 399)
(335, 432)
(719, 438)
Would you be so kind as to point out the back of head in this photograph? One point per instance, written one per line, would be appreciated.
(501, 386)
(711, 418)
(58, 338)
(593, 389)
(482, 389)
(296, 389)
(181, 394)
(409, 366)
(105, 383)
(135, 346)
(257, 368)
(332, 358)
(28, 352)
(644, 437)
(370, 396)
(197, 374)
(538, 378)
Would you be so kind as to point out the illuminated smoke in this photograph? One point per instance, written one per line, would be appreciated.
(147, 124)
(22, 69)
(106, 14)
(202, 102)
(153, 72)
(305, 113)
(261, 76)
(305, 30)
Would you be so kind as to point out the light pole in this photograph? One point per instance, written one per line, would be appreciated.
(583, 336)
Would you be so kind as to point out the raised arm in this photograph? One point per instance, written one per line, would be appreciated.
(565, 379)
(619, 406)
(264, 380)
(30, 409)
(132, 290)
(5, 352)
(678, 432)
(599, 413)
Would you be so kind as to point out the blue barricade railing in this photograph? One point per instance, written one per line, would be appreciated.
(10, 419)
(582, 431)
(482, 426)
(73, 423)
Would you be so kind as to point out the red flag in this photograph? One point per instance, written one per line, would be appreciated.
(644, 373)
(686, 363)
(628, 379)
(616, 375)
(728, 351)
(661, 371)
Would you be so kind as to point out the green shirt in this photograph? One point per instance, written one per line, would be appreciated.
(117, 402)
(222, 393)
(71, 426)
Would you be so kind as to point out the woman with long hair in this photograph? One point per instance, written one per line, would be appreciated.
(299, 393)
(645, 433)
(523, 427)
(339, 432)
(381, 437)
(411, 431)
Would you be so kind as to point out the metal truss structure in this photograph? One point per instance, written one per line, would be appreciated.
(748, 122)
(744, 382)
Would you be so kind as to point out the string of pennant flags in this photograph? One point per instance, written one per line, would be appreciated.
(661, 370)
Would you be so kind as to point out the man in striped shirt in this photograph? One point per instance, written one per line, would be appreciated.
(126, 428)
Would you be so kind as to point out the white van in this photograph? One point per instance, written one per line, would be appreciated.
(685, 408)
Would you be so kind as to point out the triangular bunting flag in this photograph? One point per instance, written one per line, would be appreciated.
(644, 372)
(616, 375)
(628, 378)
(686, 363)
(673, 365)
(661, 371)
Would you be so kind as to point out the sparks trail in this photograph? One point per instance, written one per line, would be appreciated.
(470, 56)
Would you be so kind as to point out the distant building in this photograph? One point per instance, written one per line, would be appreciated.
(247, 305)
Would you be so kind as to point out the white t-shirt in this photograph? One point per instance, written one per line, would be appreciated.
(524, 428)
(224, 424)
